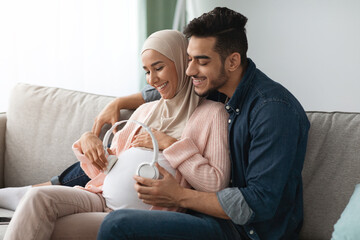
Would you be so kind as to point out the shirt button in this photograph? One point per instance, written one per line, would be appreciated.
(229, 121)
(251, 232)
(227, 107)
(237, 110)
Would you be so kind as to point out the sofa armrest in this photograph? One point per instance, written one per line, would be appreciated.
(2, 146)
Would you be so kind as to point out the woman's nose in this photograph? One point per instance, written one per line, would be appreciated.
(153, 78)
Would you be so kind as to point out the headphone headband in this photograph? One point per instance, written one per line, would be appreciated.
(154, 141)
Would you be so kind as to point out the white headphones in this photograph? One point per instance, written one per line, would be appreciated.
(146, 170)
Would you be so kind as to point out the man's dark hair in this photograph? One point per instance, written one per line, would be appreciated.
(227, 26)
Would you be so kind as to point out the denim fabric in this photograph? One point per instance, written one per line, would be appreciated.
(268, 132)
(165, 225)
(72, 176)
(150, 94)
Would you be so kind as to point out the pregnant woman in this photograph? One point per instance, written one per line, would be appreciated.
(191, 133)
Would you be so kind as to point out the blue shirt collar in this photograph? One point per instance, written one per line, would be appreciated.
(236, 101)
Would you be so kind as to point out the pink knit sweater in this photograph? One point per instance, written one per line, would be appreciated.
(200, 157)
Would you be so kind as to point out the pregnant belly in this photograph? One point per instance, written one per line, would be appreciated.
(118, 188)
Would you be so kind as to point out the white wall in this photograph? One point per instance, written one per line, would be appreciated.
(312, 47)
(86, 45)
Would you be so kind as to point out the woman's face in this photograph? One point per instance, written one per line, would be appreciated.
(160, 73)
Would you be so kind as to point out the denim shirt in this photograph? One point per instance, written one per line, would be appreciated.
(268, 131)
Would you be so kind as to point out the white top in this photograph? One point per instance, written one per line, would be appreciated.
(118, 188)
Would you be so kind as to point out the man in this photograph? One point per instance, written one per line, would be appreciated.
(267, 134)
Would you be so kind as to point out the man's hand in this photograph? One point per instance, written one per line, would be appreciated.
(92, 148)
(144, 140)
(110, 114)
(165, 192)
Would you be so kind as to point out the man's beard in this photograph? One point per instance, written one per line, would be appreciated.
(221, 79)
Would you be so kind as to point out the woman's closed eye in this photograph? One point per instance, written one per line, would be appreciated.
(156, 69)
(159, 68)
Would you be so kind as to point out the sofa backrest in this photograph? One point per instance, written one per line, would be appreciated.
(42, 123)
(331, 170)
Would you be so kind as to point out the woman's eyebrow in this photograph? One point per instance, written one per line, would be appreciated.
(155, 63)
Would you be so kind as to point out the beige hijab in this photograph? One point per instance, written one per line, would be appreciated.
(170, 115)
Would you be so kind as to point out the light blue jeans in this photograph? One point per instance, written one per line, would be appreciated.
(144, 224)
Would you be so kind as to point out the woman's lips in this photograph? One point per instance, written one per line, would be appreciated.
(162, 86)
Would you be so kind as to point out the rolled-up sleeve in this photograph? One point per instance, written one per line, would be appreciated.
(234, 205)
(150, 94)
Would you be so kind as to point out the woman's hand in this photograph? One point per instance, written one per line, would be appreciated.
(144, 140)
(92, 148)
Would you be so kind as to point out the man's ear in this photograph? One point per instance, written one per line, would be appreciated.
(233, 61)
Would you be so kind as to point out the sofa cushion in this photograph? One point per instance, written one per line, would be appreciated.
(42, 124)
(331, 170)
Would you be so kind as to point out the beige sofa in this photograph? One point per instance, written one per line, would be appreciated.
(41, 124)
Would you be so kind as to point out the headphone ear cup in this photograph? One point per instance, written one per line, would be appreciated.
(145, 170)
